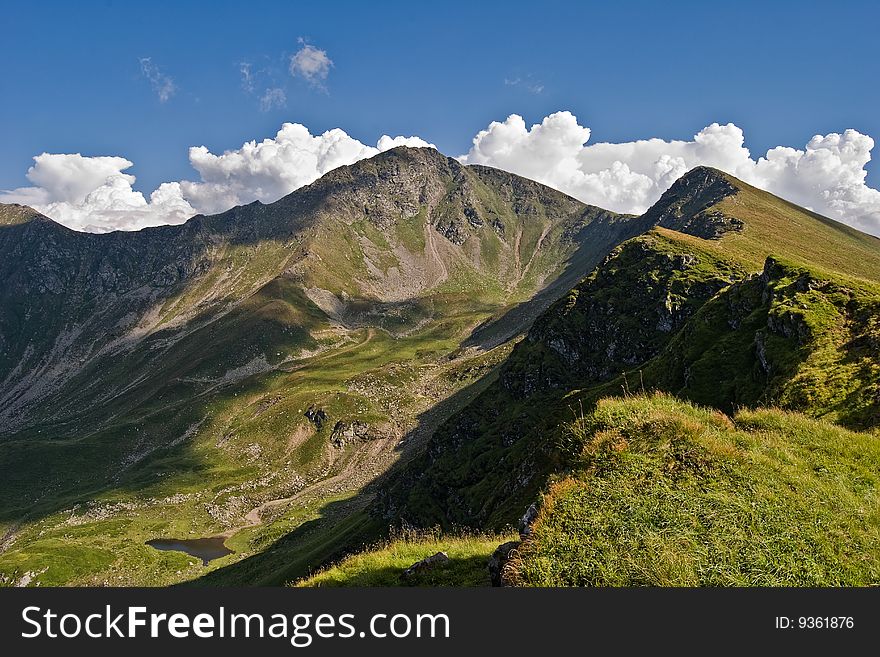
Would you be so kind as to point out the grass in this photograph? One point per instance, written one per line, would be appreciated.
(665, 493)
(410, 231)
(775, 227)
(670, 312)
(239, 454)
(385, 563)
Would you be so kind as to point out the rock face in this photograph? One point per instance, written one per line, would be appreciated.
(619, 317)
(499, 561)
(428, 563)
(685, 206)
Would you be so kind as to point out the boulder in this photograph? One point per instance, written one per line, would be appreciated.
(317, 416)
(499, 560)
(428, 563)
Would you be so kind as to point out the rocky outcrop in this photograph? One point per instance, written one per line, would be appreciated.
(687, 206)
(499, 563)
(349, 432)
(428, 563)
(618, 318)
(346, 432)
(317, 416)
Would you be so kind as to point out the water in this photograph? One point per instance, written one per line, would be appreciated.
(206, 549)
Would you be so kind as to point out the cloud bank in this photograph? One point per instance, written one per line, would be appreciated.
(827, 175)
(95, 194)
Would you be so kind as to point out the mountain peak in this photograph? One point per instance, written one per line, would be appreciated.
(688, 205)
(13, 214)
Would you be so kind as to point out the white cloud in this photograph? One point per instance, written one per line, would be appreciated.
(311, 63)
(95, 193)
(269, 169)
(247, 77)
(162, 84)
(827, 176)
(386, 143)
(273, 98)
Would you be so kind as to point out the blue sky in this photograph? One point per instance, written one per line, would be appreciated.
(73, 81)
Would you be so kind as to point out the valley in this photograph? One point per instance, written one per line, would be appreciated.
(259, 372)
(409, 355)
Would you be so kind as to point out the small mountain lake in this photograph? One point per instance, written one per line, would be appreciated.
(206, 549)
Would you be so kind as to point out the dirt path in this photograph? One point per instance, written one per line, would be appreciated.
(358, 467)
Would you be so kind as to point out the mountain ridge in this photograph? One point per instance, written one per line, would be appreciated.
(721, 311)
(169, 381)
(292, 231)
(295, 376)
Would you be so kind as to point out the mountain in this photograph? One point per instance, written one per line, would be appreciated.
(255, 365)
(735, 298)
(355, 247)
(414, 343)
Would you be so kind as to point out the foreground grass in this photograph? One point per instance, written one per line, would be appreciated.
(384, 565)
(664, 493)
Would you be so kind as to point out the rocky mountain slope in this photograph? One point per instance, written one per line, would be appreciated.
(175, 367)
(735, 298)
(362, 246)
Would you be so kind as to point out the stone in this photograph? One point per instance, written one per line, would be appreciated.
(499, 560)
(317, 416)
(428, 563)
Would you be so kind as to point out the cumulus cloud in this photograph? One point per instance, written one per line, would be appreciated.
(269, 169)
(95, 194)
(162, 84)
(273, 98)
(827, 175)
(311, 63)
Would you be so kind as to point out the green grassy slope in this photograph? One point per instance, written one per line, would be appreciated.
(734, 319)
(653, 491)
(769, 226)
(663, 493)
(384, 565)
